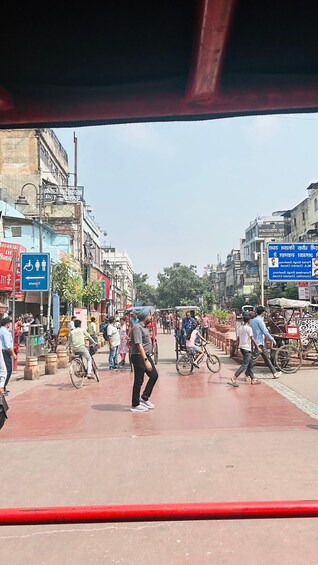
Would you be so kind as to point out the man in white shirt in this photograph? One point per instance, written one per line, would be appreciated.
(245, 340)
(114, 341)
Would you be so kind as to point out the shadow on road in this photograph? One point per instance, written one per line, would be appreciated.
(111, 407)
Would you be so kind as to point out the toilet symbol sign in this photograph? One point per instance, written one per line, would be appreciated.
(35, 271)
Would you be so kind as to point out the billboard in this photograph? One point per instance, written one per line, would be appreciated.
(7, 252)
(292, 262)
(271, 230)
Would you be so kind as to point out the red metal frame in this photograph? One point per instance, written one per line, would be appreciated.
(160, 512)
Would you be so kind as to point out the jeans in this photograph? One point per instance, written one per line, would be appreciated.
(113, 357)
(139, 374)
(8, 361)
(247, 364)
(266, 358)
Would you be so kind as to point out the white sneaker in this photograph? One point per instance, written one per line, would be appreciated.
(277, 374)
(139, 408)
(147, 403)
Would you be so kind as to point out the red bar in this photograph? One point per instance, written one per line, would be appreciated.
(159, 512)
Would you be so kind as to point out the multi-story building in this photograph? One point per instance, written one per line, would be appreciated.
(232, 266)
(118, 266)
(302, 220)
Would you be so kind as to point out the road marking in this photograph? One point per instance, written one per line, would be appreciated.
(300, 401)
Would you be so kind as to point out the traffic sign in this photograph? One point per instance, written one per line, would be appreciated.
(292, 262)
(35, 272)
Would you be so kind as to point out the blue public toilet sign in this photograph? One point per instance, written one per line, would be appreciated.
(35, 272)
(292, 262)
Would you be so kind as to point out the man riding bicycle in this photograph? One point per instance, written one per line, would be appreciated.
(77, 339)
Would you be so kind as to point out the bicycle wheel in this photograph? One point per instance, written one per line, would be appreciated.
(77, 372)
(155, 353)
(213, 363)
(95, 373)
(288, 358)
(184, 365)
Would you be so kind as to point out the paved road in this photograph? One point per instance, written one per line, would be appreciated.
(204, 441)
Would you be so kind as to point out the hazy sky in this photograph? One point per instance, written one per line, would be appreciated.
(186, 191)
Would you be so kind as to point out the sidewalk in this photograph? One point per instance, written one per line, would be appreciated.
(19, 385)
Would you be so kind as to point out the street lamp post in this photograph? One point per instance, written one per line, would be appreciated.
(261, 267)
(22, 201)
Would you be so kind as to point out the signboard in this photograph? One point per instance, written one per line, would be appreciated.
(271, 230)
(35, 272)
(7, 253)
(292, 262)
(303, 291)
(81, 314)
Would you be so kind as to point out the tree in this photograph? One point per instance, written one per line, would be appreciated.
(145, 293)
(67, 281)
(208, 294)
(291, 291)
(179, 285)
(92, 292)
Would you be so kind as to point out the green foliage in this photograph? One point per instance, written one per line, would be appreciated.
(179, 285)
(92, 292)
(221, 315)
(67, 281)
(208, 295)
(238, 302)
(291, 291)
(145, 293)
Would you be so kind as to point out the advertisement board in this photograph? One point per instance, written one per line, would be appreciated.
(271, 230)
(7, 253)
(292, 262)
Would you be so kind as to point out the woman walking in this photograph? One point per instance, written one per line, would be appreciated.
(123, 346)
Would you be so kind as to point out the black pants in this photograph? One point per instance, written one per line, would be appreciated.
(266, 358)
(139, 374)
(8, 361)
(247, 364)
(205, 333)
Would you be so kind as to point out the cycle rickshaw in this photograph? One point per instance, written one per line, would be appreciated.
(166, 317)
(152, 327)
(179, 313)
(295, 329)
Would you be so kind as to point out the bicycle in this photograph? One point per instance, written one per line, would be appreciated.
(78, 369)
(185, 363)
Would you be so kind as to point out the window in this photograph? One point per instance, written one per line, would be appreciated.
(295, 223)
(316, 204)
(16, 231)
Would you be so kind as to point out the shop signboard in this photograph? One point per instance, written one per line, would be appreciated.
(7, 253)
(292, 262)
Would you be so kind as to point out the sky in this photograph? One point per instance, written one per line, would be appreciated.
(186, 191)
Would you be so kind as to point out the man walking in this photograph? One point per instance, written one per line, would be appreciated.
(259, 332)
(114, 341)
(141, 349)
(204, 323)
(245, 340)
(7, 349)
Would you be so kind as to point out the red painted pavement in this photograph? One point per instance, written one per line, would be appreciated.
(202, 402)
